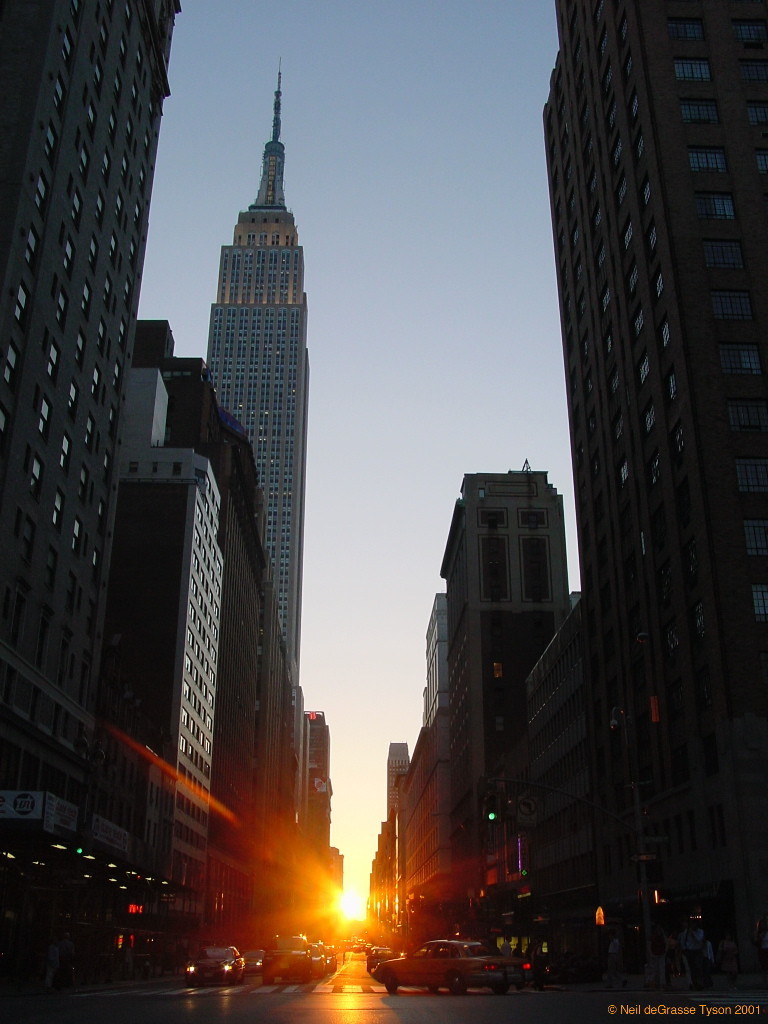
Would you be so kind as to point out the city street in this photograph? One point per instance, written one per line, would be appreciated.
(351, 996)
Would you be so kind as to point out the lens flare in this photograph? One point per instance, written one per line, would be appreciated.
(352, 905)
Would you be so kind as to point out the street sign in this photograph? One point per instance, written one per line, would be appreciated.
(527, 809)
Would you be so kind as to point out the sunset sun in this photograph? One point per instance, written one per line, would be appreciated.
(351, 905)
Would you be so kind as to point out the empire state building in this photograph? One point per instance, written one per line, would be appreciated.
(257, 354)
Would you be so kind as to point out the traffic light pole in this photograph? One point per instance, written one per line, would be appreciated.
(641, 856)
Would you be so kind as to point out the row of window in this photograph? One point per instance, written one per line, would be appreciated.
(692, 29)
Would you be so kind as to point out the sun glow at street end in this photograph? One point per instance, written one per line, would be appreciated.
(351, 905)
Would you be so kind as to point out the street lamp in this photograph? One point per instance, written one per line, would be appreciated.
(641, 856)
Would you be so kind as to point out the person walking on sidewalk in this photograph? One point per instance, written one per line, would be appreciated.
(51, 963)
(728, 959)
(614, 975)
(691, 941)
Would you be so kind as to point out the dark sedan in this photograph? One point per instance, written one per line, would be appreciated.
(451, 964)
(376, 955)
(216, 963)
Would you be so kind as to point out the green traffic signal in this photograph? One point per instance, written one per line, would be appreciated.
(491, 815)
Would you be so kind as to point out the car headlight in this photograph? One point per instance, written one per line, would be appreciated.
(190, 968)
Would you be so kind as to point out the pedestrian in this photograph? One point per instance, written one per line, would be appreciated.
(51, 963)
(505, 949)
(614, 975)
(539, 960)
(657, 956)
(66, 971)
(761, 941)
(708, 964)
(728, 959)
(691, 940)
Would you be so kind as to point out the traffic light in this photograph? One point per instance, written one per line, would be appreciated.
(490, 807)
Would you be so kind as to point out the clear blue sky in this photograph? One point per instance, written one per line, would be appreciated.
(415, 168)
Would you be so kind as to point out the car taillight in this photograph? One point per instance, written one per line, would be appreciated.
(527, 966)
(492, 967)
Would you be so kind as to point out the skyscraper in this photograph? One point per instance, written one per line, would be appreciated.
(506, 579)
(655, 133)
(81, 94)
(257, 354)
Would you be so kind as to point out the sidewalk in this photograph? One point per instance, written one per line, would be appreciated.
(10, 988)
(749, 987)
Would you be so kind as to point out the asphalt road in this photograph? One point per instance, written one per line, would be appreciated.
(351, 996)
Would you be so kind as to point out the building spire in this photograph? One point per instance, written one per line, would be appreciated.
(271, 187)
(278, 94)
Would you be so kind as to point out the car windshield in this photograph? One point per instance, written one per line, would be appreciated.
(215, 953)
(293, 943)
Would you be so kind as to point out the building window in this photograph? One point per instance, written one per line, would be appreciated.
(756, 536)
(757, 113)
(707, 158)
(20, 307)
(685, 28)
(761, 156)
(699, 111)
(721, 252)
(664, 333)
(740, 359)
(754, 70)
(692, 71)
(58, 509)
(746, 414)
(44, 423)
(649, 417)
(535, 568)
(752, 475)
(731, 305)
(715, 205)
(644, 368)
(760, 601)
(750, 31)
(66, 451)
(654, 468)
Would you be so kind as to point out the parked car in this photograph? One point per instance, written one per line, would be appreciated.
(287, 958)
(254, 961)
(451, 964)
(377, 955)
(216, 963)
(331, 959)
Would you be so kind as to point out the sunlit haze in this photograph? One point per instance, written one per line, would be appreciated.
(414, 164)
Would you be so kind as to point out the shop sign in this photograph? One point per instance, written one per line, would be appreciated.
(110, 834)
(60, 815)
(21, 805)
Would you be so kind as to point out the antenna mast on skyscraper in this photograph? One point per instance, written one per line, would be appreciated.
(278, 94)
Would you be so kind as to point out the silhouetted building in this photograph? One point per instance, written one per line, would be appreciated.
(507, 594)
(252, 827)
(556, 814)
(398, 761)
(425, 798)
(81, 95)
(655, 134)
